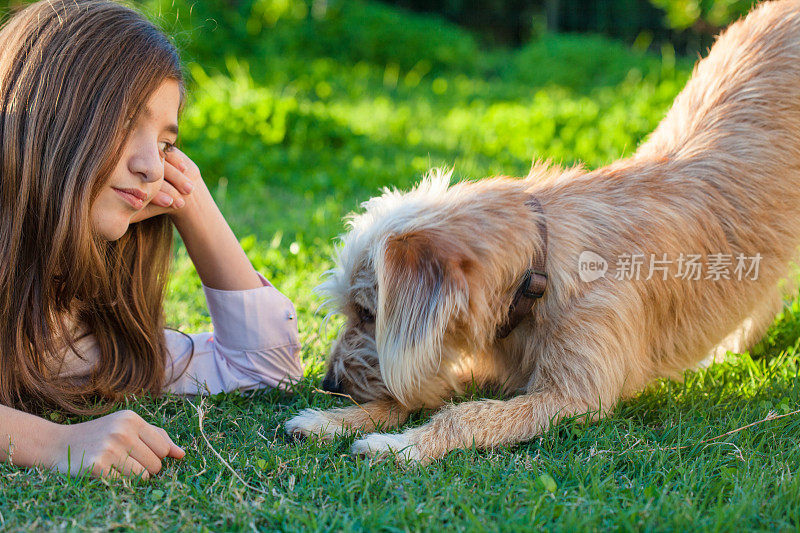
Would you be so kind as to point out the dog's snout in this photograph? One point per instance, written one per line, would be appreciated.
(330, 384)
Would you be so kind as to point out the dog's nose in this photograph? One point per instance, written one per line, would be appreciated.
(330, 384)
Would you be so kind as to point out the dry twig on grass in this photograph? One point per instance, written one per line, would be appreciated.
(320, 391)
(770, 416)
(200, 416)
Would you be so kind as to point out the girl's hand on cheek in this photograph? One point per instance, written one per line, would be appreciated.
(181, 177)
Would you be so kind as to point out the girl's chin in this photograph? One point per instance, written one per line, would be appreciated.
(117, 230)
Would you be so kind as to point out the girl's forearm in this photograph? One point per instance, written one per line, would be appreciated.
(216, 253)
(121, 442)
(24, 438)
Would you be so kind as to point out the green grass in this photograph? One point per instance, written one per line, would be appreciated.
(293, 127)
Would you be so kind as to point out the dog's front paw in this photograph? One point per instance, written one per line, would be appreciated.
(313, 422)
(384, 444)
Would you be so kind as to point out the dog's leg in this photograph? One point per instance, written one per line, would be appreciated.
(370, 416)
(753, 328)
(483, 424)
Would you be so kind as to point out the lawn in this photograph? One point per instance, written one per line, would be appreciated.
(300, 111)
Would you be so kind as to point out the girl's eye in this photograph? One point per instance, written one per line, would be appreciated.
(166, 147)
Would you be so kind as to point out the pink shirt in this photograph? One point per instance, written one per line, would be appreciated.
(254, 345)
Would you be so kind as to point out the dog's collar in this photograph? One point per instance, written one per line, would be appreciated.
(534, 280)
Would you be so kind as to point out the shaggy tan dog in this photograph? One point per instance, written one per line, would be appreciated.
(653, 263)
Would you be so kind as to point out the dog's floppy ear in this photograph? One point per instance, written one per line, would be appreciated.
(422, 285)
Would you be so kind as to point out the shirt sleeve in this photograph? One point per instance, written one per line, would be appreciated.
(254, 344)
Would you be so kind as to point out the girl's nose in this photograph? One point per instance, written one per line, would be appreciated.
(147, 163)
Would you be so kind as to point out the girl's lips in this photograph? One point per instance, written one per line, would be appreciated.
(133, 200)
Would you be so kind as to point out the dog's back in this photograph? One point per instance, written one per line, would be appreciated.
(744, 98)
(732, 138)
(719, 176)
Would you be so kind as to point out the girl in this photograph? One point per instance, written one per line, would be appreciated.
(91, 184)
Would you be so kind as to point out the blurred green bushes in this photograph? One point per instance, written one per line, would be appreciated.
(341, 29)
(299, 93)
(688, 24)
(703, 15)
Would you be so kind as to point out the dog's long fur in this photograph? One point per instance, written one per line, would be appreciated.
(437, 266)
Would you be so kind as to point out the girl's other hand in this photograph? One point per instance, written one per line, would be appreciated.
(121, 443)
(181, 177)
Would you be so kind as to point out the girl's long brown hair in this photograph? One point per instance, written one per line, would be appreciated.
(71, 73)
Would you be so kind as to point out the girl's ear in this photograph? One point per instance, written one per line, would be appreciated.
(422, 285)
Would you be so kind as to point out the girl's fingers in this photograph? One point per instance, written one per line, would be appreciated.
(167, 200)
(154, 440)
(169, 196)
(162, 199)
(150, 210)
(158, 441)
(176, 158)
(144, 456)
(128, 466)
(183, 164)
(175, 451)
(175, 187)
(177, 178)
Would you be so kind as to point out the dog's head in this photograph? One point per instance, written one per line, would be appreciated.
(420, 278)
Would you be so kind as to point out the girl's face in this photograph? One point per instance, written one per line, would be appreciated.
(140, 170)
